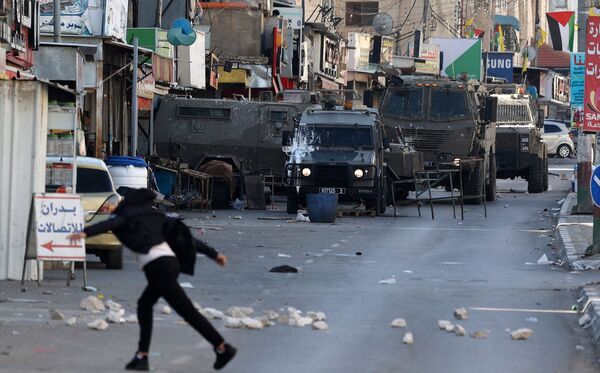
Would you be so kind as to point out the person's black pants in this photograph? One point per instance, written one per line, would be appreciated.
(162, 276)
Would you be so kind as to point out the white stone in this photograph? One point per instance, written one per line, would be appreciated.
(584, 319)
(232, 322)
(320, 325)
(399, 323)
(450, 328)
(112, 305)
(165, 310)
(239, 312)
(300, 321)
(271, 315)
(92, 303)
(131, 319)
(443, 324)
(408, 339)
(479, 334)
(211, 313)
(521, 334)
(461, 314)
(55, 314)
(389, 281)
(197, 305)
(250, 323)
(98, 324)
(71, 321)
(459, 330)
(115, 317)
(317, 316)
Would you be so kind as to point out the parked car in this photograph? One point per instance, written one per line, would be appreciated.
(98, 198)
(558, 139)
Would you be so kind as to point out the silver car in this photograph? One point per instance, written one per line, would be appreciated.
(558, 139)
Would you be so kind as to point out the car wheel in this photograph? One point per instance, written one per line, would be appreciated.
(114, 258)
(564, 151)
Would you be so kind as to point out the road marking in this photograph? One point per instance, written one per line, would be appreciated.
(492, 309)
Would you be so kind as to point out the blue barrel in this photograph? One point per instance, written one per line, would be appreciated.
(322, 208)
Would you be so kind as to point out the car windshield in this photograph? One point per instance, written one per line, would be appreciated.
(339, 136)
(447, 105)
(404, 103)
(89, 180)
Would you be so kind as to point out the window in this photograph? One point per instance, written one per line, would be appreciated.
(361, 14)
(91, 180)
(448, 105)
(338, 136)
(551, 128)
(279, 116)
(198, 112)
(405, 103)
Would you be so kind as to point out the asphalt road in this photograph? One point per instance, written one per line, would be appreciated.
(438, 265)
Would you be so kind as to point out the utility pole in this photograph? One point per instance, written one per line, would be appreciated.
(159, 10)
(134, 99)
(425, 19)
(57, 21)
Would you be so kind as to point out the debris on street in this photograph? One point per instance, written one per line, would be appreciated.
(165, 310)
(316, 316)
(232, 322)
(112, 305)
(71, 321)
(131, 319)
(283, 256)
(116, 316)
(388, 281)
(320, 325)
(55, 314)
(398, 323)
(284, 269)
(443, 324)
(459, 330)
(532, 319)
(271, 315)
(479, 334)
(250, 323)
(461, 313)
(408, 339)
(186, 285)
(584, 319)
(239, 312)
(211, 313)
(98, 324)
(92, 303)
(521, 334)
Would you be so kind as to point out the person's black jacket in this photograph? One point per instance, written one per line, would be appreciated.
(139, 227)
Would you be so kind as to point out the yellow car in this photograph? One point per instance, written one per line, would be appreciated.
(98, 198)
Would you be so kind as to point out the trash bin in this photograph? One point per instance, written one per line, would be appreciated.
(322, 208)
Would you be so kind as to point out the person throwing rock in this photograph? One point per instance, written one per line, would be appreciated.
(164, 246)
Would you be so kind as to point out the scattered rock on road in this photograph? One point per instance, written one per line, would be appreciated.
(449, 327)
(316, 316)
(459, 330)
(131, 319)
(408, 339)
(461, 313)
(232, 322)
(71, 321)
(250, 323)
(211, 313)
(55, 314)
(320, 325)
(239, 312)
(98, 324)
(388, 281)
(443, 324)
(271, 315)
(398, 323)
(284, 269)
(92, 303)
(165, 310)
(521, 334)
(116, 317)
(112, 305)
(584, 319)
(479, 334)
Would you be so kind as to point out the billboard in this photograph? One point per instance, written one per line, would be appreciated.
(577, 79)
(431, 54)
(591, 109)
(462, 57)
(499, 65)
(359, 46)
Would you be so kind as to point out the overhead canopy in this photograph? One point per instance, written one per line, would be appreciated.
(504, 20)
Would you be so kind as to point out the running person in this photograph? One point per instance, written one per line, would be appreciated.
(164, 246)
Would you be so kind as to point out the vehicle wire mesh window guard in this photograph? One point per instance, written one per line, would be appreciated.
(404, 103)
(448, 105)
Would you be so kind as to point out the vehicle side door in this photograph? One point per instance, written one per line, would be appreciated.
(551, 136)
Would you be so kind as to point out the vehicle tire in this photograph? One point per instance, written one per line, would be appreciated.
(490, 187)
(114, 259)
(292, 203)
(473, 186)
(545, 170)
(564, 151)
(536, 175)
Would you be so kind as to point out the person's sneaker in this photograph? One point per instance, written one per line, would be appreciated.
(224, 357)
(138, 364)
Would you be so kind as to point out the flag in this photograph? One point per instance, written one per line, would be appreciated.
(525, 61)
(562, 29)
(540, 36)
(469, 28)
(500, 38)
(478, 33)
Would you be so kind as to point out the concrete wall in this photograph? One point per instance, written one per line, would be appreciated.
(23, 133)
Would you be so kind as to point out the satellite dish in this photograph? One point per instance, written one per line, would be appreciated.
(383, 24)
(530, 52)
(181, 32)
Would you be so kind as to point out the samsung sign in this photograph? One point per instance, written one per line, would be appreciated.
(499, 65)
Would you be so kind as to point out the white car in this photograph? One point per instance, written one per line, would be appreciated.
(558, 139)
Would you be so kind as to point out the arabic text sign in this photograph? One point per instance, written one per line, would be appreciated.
(56, 217)
(431, 54)
(577, 79)
(591, 121)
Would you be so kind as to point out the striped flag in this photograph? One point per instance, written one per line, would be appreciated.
(561, 26)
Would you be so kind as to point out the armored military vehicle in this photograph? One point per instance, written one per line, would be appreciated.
(520, 151)
(346, 152)
(449, 122)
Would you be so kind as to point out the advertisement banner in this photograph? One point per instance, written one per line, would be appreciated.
(462, 57)
(359, 46)
(591, 120)
(499, 65)
(74, 16)
(115, 19)
(577, 79)
(431, 54)
(387, 50)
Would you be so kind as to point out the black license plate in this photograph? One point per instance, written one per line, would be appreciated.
(332, 190)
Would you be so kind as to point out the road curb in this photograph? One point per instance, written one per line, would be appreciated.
(567, 253)
(589, 304)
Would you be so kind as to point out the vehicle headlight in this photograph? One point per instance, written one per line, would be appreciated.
(109, 205)
(306, 172)
(456, 162)
(358, 173)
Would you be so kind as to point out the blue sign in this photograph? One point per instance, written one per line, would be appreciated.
(577, 79)
(499, 65)
(595, 186)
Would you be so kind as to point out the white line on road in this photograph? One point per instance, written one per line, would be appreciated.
(492, 309)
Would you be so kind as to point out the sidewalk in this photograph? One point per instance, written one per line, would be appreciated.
(574, 236)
